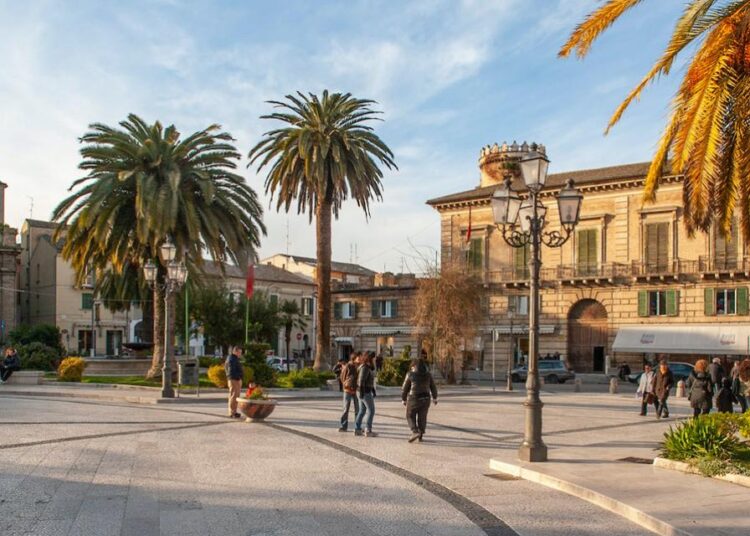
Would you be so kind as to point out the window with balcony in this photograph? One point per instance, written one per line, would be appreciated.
(725, 248)
(519, 305)
(726, 301)
(384, 308)
(657, 246)
(345, 310)
(587, 245)
(307, 306)
(658, 302)
(475, 255)
(521, 262)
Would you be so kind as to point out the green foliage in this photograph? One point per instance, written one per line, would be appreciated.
(218, 376)
(393, 371)
(406, 352)
(257, 394)
(136, 380)
(327, 375)
(256, 351)
(206, 361)
(304, 378)
(711, 436)
(218, 313)
(264, 318)
(46, 334)
(255, 358)
(71, 369)
(38, 356)
(290, 317)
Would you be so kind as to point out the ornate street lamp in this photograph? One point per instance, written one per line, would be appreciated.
(522, 224)
(175, 277)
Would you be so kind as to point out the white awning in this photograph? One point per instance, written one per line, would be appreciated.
(720, 339)
(386, 330)
(344, 340)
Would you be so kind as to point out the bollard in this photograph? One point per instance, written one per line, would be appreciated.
(680, 389)
(577, 386)
(613, 384)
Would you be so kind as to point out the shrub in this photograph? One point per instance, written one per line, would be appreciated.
(38, 356)
(218, 376)
(257, 351)
(710, 436)
(46, 334)
(326, 375)
(255, 358)
(300, 379)
(206, 361)
(394, 371)
(71, 369)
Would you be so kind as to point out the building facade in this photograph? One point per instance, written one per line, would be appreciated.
(341, 272)
(9, 271)
(630, 283)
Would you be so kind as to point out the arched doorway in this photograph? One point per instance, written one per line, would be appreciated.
(587, 336)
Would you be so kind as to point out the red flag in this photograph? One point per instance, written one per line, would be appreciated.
(468, 233)
(250, 281)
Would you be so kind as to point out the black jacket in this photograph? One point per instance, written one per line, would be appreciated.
(700, 390)
(233, 368)
(12, 362)
(717, 373)
(663, 384)
(365, 380)
(418, 384)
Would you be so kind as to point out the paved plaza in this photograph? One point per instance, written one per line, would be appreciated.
(78, 466)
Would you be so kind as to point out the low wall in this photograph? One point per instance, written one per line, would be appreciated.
(117, 367)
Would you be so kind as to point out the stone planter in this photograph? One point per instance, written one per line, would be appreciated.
(255, 410)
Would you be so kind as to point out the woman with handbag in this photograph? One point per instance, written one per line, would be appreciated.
(646, 389)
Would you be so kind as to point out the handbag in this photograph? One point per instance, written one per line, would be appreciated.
(650, 398)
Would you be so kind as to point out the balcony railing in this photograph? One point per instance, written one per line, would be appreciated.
(674, 267)
(708, 264)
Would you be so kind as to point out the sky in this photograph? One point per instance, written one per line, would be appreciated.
(449, 76)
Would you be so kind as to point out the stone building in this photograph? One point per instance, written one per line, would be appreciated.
(375, 315)
(341, 272)
(9, 267)
(628, 285)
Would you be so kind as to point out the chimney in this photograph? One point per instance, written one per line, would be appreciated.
(3, 186)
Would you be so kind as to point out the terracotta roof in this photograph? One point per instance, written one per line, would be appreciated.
(345, 267)
(555, 180)
(263, 272)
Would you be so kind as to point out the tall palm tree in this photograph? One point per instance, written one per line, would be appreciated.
(325, 153)
(707, 136)
(144, 184)
(291, 317)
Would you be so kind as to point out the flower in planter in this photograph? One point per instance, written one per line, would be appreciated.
(255, 393)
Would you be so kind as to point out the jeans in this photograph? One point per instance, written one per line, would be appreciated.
(5, 372)
(644, 404)
(416, 414)
(366, 405)
(662, 410)
(348, 399)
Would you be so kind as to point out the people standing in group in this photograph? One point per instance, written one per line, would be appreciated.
(737, 387)
(337, 369)
(11, 363)
(725, 397)
(744, 382)
(716, 372)
(663, 382)
(418, 387)
(235, 375)
(348, 381)
(700, 388)
(366, 394)
(646, 389)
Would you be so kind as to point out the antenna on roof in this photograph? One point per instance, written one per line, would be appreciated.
(31, 207)
(287, 236)
(356, 255)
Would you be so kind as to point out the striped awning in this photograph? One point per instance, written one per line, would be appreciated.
(386, 330)
(522, 329)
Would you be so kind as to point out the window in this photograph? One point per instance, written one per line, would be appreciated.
(384, 308)
(587, 244)
(658, 302)
(345, 310)
(88, 281)
(87, 301)
(657, 246)
(274, 300)
(475, 254)
(519, 305)
(725, 248)
(307, 306)
(726, 301)
(521, 262)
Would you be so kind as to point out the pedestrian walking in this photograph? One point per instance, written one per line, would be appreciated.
(348, 380)
(737, 387)
(716, 371)
(700, 388)
(338, 367)
(725, 397)
(415, 394)
(662, 384)
(233, 368)
(646, 389)
(744, 380)
(366, 395)
(11, 363)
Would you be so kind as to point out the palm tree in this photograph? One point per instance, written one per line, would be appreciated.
(290, 317)
(326, 153)
(145, 184)
(707, 135)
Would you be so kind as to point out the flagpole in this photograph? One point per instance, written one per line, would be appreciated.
(187, 321)
(247, 318)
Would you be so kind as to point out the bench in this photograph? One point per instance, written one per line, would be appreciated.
(26, 377)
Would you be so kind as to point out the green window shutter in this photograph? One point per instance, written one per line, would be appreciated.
(375, 308)
(643, 303)
(673, 300)
(87, 301)
(337, 310)
(521, 262)
(587, 246)
(742, 308)
(394, 308)
(709, 302)
(353, 308)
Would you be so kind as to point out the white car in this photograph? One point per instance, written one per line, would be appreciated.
(279, 363)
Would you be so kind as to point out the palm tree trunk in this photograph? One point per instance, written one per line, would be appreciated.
(323, 280)
(158, 334)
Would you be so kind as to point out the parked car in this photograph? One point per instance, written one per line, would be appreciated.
(680, 371)
(279, 363)
(552, 370)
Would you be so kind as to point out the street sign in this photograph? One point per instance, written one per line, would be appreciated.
(299, 336)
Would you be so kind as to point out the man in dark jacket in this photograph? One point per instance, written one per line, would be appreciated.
(348, 380)
(415, 394)
(716, 371)
(663, 383)
(366, 395)
(11, 363)
(235, 375)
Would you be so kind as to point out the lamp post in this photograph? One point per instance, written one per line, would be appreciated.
(522, 224)
(511, 358)
(174, 279)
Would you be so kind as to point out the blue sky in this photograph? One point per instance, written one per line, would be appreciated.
(450, 77)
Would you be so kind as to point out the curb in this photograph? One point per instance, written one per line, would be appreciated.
(664, 463)
(630, 513)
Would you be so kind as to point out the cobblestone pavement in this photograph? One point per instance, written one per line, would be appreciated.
(90, 467)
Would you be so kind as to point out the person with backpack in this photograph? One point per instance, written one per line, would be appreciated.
(366, 394)
(235, 375)
(337, 368)
(725, 397)
(348, 381)
(716, 373)
(737, 387)
(700, 389)
(415, 395)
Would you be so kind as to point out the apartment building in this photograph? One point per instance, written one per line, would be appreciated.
(341, 272)
(628, 285)
(9, 269)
